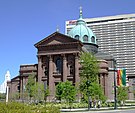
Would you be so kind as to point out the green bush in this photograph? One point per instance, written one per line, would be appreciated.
(73, 105)
(81, 105)
(15, 107)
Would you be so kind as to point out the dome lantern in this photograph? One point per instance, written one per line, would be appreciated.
(82, 32)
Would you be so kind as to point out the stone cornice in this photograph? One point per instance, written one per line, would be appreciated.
(54, 34)
(62, 44)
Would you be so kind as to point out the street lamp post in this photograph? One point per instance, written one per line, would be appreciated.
(115, 93)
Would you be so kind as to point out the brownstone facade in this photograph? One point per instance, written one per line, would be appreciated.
(58, 60)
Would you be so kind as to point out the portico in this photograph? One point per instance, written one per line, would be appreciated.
(58, 61)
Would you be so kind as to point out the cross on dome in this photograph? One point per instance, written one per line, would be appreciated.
(82, 32)
(80, 12)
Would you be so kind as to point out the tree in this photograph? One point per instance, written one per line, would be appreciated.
(2, 96)
(122, 94)
(16, 96)
(90, 67)
(38, 91)
(89, 84)
(66, 91)
(96, 91)
(46, 93)
(35, 89)
(59, 90)
(30, 85)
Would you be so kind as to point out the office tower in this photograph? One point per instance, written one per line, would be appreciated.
(116, 35)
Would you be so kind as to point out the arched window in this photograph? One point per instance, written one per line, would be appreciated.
(93, 39)
(77, 37)
(85, 38)
(58, 65)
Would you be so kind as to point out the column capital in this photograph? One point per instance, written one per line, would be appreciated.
(38, 56)
(63, 55)
(50, 57)
(76, 54)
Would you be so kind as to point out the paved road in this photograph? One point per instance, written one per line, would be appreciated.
(107, 111)
(113, 111)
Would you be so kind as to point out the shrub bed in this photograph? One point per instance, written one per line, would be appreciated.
(15, 107)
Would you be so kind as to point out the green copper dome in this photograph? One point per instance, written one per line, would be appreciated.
(82, 32)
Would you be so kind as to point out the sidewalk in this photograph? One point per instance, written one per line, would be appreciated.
(95, 110)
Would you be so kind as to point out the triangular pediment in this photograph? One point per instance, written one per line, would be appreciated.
(55, 38)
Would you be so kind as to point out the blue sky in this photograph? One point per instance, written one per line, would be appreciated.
(25, 22)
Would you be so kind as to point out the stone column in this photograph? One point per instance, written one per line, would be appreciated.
(64, 68)
(50, 77)
(39, 69)
(101, 79)
(21, 86)
(77, 78)
(106, 84)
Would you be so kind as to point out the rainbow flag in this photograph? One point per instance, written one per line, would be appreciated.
(121, 77)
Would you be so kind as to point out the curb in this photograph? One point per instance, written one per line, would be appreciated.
(102, 109)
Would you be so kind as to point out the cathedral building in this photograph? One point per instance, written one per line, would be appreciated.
(58, 60)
